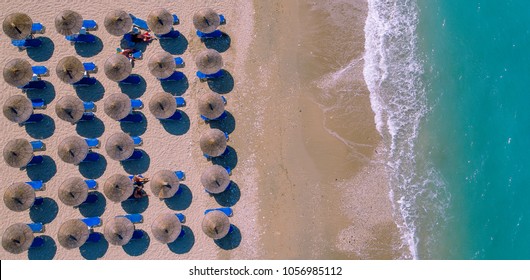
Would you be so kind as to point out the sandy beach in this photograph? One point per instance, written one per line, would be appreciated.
(309, 182)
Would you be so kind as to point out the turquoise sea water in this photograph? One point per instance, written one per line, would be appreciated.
(450, 86)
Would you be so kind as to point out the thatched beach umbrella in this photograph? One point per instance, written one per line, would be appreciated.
(17, 26)
(73, 234)
(73, 149)
(117, 106)
(19, 197)
(118, 22)
(69, 108)
(164, 184)
(215, 224)
(162, 65)
(17, 238)
(211, 105)
(73, 191)
(206, 20)
(118, 188)
(68, 22)
(18, 108)
(162, 105)
(70, 69)
(119, 146)
(18, 152)
(160, 21)
(213, 142)
(209, 61)
(117, 67)
(18, 72)
(215, 179)
(166, 228)
(119, 231)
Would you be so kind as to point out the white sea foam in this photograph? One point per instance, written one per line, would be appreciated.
(393, 72)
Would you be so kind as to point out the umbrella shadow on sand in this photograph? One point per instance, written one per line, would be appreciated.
(135, 205)
(47, 94)
(44, 252)
(136, 90)
(45, 212)
(175, 46)
(177, 127)
(176, 87)
(41, 130)
(223, 84)
(94, 250)
(90, 129)
(89, 49)
(96, 208)
(137, 166)
(230, 196)
(93, 170)
(228, 159)
(44, 52)
(220, 44)
(184, 242)
(227, 124)
(135, 128)
(44, 171)
(137, 246)
(231, 240)
(181, 200)
(91, 93)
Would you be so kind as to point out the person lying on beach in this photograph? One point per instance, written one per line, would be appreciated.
(145, 37)
(139, 180)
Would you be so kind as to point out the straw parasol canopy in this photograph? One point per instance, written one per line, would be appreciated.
(211, 105)
(73, 234)
(17, 238)
(118, 22)
(18, 108)
(166, 228)
(213, 142)
(19, 197)
(215, 179)
(162, 65)
(209, 61)
(165, 184)
(17, 26)
(215, 224)
(18, 152)
(73, 191)
(73, 149)
(18, 72)
(162, 105)
(68, 22)
(160, 21)
(206, 20)
(117, 106)
(118, 188)
(69, 108)
(117, 67)
(70, 69)
(119, 146)
(119, 231)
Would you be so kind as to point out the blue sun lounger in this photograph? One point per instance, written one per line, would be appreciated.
(26, 43)
(37, 185)
(92, 143)
(92, 221)
(137, 140)
(33, 85)
(215, 34)
(38, 145)
(36, 227)
(137, 104)
(40, 70)
(38, 103)
(134, 218)
(181, 102)
(37, 242)
(36, 160)
(87, 116)
(181, 175)
(91, 157)
(90, 24)
(132, 118)
(179, 62)
(81, 38)
(34, 118)
(131, 80)
(170, 35)
(226, 210)
(204, 77)
(135, 155)
(176, 20)
(37, 27)
(176, 76)
(90, 106)
(90, 67)
(222, 116)
(91, 184)
(85, 81)
(140, 23)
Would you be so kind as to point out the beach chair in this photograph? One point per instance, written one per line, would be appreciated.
(87, 116)
(215, 34)
(179, 62)
(170, 35)
(226, 210)
(181, 102)
(176, 20)
(132, 118)
(94, 237)
(131, 80)
(33, 85)
(224, 99)
(204, 77)
(222, 116)
(137, 140)
(134, 218)
(176, 76)
(92, 222)
(38, 145)
(37, 242)
(91, 157)
(34, 118)
(26, 43)
(90, 24)
(81, 38)
(91, 184)
(136, 155)
(38, 103)
(85, 81)
(176, 116)
(90, 67)
(93, 143)
(222, 19)
(91, 198)
(181, 217)
(140, 23)
(90, 106)
(38, 28)
(40, 70)
(181, 175)
(37, 185)
(37, 227)
(137, 104)
(36, 160)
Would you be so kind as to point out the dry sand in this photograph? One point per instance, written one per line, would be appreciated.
(311, 185)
